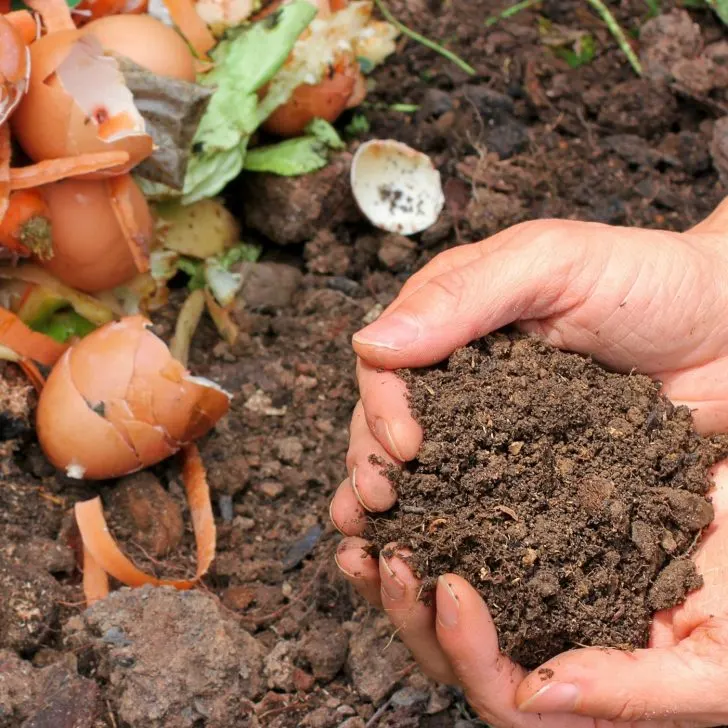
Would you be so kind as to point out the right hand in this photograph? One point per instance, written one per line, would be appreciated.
(651, 301)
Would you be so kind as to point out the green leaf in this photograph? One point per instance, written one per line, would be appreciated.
(65, 324)
(241, 252)
(720, 7)
(195, 269)
(294, 157)
(323, 131)
(246, 59)
(290, 158)
(358, 125)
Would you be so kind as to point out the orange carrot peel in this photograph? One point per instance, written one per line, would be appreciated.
(55, 14)
(102, 554)
(29, 344)
(33, 373)
(54, 170)
(121, 201)
(26, 227)
(5, 153)
(192, 26)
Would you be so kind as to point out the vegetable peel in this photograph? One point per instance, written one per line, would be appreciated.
(103, 555)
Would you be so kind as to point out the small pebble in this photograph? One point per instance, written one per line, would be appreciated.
(225, 503)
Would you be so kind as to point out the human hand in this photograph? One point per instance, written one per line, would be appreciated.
(649, 300)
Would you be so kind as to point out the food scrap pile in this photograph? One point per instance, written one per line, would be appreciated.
(120, 123)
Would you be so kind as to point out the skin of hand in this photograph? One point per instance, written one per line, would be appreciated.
(650, 301)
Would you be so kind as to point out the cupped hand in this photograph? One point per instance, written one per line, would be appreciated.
(650, 301)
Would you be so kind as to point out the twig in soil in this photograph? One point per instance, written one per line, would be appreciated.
(415, 36)
(380, 711)
(417, 510)
(511, 11)
(616, 30)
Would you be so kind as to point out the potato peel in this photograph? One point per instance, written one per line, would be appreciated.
(96, 311)
(102, 553)
(187, 323)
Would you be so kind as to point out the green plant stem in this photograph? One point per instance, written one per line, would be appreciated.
(614, 28)
(444, 52)
(511, 11)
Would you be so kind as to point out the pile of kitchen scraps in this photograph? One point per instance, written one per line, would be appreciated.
(120, 123)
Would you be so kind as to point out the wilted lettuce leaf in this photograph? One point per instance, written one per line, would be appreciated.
(295, 157)
(172, 110)
(246, 59)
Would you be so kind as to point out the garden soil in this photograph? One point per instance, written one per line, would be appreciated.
(568, 495)
(276, 638)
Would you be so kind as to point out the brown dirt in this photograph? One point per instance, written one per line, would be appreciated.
(526, 137)
(569, 496)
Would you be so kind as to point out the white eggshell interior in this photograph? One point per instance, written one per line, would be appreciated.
(396, 187)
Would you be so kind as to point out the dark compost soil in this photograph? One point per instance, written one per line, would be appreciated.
(527, 136)
(569, 496)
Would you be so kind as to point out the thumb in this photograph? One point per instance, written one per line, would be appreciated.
(716, 222)
(527, 278)
(685, 683)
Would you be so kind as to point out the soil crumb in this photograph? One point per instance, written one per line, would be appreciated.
(569, 496)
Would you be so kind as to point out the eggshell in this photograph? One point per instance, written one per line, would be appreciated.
(147, 41)
(90, 251)
(88, 420)
(48, 122)
(75, 436)
(396, 187)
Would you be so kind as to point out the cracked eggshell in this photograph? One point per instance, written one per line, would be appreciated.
(78, 103)
(90, 248)
(117, 402)
(148, 42)
(396, 187)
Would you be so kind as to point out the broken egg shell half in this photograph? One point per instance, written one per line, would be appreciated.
(14, 69)
(396, 187)
(117, 402)
(90, 249)
(148, 42)
(77, 103)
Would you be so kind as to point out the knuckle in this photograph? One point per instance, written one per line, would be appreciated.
(632, 708)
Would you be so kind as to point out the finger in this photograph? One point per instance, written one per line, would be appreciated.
(384, 397)
(413, 620)
(450, 260)
(682, 683)
(527, 278)
(360, 568)
(368, 481)
(346, 512)
(467, 635)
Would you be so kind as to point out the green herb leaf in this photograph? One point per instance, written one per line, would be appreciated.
(65, 324)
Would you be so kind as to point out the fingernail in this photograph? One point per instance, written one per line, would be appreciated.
(448, 605)
(553, 698)
(354, 487)
(331, 518)
(392, 586)
(393, 332)
(384, 435)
